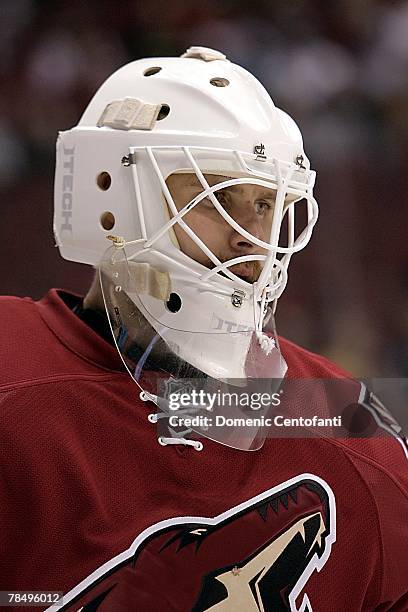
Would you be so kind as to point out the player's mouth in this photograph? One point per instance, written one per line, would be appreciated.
(246, 271)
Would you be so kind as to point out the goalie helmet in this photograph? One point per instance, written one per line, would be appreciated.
(201, 116)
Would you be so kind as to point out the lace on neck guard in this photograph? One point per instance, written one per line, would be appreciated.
(176, 437)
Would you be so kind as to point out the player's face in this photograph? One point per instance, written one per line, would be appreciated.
(251, 206)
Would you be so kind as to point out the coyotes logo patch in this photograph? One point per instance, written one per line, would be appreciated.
(255, 557)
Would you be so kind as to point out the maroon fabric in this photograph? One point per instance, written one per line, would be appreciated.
(82, 477)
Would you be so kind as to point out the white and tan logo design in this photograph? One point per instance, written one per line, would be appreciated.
(255, 557)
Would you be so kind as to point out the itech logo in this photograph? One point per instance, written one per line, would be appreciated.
(228, 326)
(67, 188)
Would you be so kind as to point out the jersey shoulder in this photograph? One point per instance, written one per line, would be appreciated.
(31, 350)
(21, 331)
(373, 439)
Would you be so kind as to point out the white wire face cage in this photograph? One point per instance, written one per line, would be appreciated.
(291, 183)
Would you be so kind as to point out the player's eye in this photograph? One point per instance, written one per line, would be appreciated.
(222, 197)
(262, 207)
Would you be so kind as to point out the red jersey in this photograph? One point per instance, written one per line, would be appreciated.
(94, 507)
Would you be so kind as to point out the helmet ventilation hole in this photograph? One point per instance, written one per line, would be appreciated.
(151, 71)
(104, 180)
(174, 302)
(163, 112)
(107, 220)
(219, 82)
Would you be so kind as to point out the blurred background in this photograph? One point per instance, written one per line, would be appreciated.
(339, 67)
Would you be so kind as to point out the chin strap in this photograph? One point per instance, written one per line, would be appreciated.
(178, 437)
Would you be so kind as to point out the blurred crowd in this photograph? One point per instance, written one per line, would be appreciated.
(339, 67)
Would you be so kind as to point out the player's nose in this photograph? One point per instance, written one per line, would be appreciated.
(250, 222)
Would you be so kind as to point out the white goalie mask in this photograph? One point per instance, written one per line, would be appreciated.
(170, 152)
